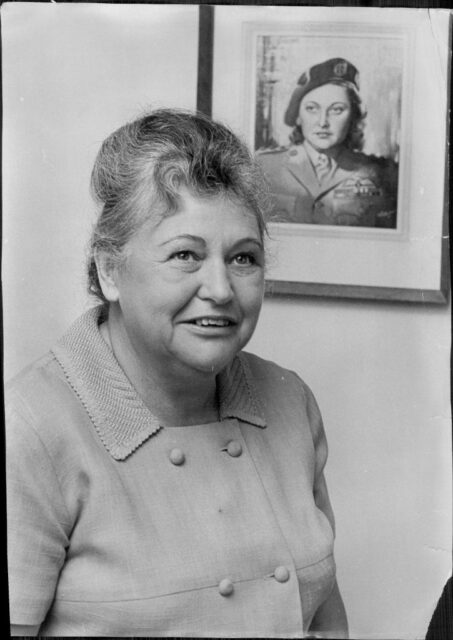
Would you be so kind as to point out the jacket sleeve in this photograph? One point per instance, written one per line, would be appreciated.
(330, 620)
(37, 520)
(320, 492)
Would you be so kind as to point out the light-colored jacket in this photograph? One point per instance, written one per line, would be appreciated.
(120, 527)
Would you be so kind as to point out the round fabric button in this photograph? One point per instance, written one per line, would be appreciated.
(226, 587)
(281, 574)
(177, 456)
(234, 448)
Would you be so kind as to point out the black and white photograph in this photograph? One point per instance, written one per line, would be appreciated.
(328, 161)
(226, 320)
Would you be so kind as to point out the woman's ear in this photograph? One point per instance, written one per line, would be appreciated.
(107, 274)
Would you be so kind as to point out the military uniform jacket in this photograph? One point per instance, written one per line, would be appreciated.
(120, 527)
(360, 190)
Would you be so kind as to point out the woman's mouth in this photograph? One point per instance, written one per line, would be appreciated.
(213, 321)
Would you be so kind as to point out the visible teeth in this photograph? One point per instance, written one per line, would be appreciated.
(212, 322)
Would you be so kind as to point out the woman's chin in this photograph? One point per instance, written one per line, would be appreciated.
(322, 144)
(209, 363)
(211, 366)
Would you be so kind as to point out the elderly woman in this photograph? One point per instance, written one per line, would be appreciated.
(323, 178)
(162, 482)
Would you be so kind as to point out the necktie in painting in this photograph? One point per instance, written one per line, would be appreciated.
(322, 166)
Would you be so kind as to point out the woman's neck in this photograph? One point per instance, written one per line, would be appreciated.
(185, 399)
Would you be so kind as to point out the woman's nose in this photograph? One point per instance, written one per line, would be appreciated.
(215, 283)
(323, 118)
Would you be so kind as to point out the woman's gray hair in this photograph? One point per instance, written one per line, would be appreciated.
(141, 168)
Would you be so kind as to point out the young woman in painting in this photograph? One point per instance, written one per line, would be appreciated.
(323, 177)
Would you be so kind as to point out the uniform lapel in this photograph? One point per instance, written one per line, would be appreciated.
(345, 166)
(332, 181)
(300, 167)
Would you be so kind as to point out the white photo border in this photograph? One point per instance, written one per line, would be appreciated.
(344, 31)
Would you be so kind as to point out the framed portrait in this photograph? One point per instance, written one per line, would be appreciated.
(346, 112)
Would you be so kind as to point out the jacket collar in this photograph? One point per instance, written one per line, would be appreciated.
(300, 166)
(120, 417)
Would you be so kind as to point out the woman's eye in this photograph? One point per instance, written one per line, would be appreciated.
(244, 259)
(337, 110)
(311, 108)
(184, 256)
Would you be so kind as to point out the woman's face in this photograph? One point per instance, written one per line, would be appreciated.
(191, 288)
(325, 116)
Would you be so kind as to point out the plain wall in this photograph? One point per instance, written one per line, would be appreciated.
(71, 75)
(380, 372)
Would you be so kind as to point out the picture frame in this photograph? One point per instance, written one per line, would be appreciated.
(403, 64)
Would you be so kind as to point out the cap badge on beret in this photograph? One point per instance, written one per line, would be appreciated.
(340, 68)
(332, 70)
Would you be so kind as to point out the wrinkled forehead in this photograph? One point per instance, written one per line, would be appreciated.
(186, 199)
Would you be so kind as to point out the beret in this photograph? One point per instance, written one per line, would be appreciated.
(331, 70)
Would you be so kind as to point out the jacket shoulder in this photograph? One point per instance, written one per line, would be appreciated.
(273, 379)
(357, 159)
(271, 151)
(31, 375)
(282, 392)
(34, 393)
(271, 157)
